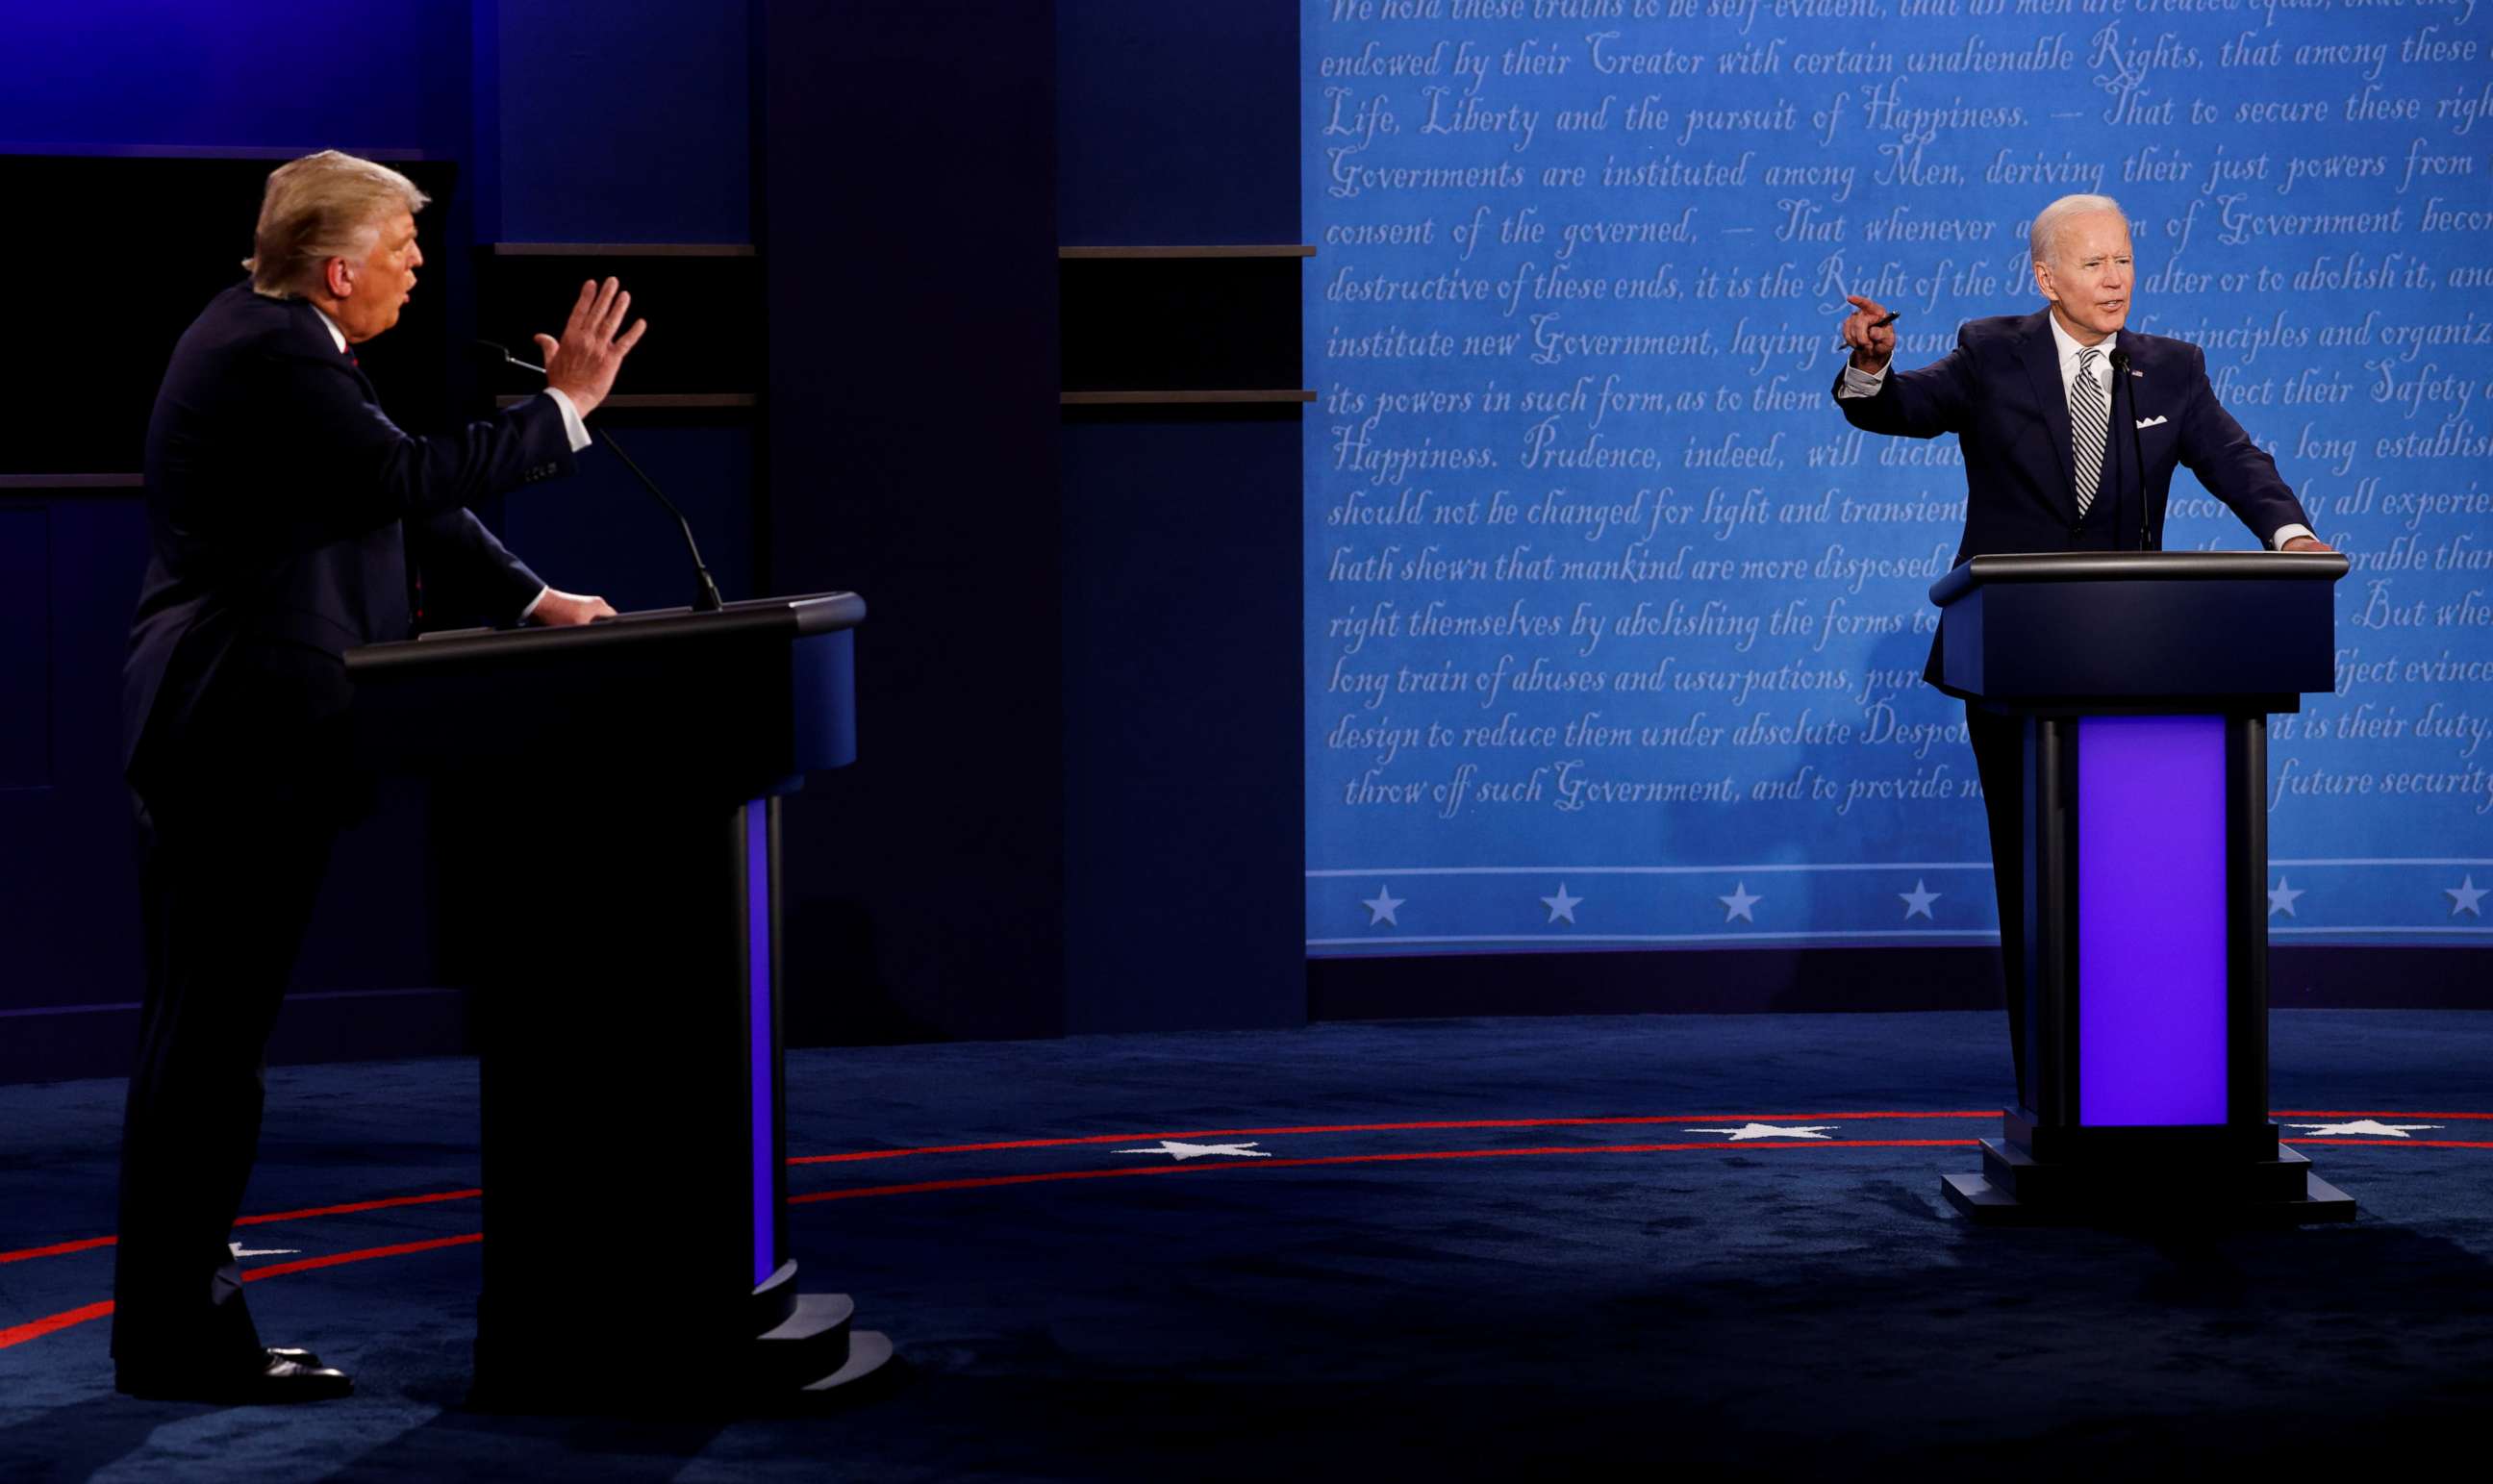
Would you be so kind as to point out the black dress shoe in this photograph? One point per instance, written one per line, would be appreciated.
(282, 1377)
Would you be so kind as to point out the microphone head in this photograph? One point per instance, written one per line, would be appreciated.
(2119, 360)
(493, 352)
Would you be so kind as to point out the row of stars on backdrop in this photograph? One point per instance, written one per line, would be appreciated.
(1741, 905)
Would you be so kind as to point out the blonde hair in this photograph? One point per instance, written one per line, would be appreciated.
(319, 207)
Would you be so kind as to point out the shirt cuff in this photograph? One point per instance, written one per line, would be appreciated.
(572, 427)
(1859, 383)
(2285, 533)
(548, 588)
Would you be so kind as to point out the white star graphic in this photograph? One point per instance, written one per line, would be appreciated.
(2365, 1128)
(1917, 901)
(2280, 897)
(270, 1252)
(2464, 896)
(1561, 905)
(1182, 1151)
(1380, 907)
(1749, 1130)
(1736, 905)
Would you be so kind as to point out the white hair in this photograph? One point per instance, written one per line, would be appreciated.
(2049, 221)
(319, 207)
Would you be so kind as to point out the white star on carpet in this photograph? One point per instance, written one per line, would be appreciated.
(1182, 1151)
(1736, 905)
(1917, 901)
(1749, 1130)
(1561, 905)
(2363, 1128)
(1380, 907)
(269, 1251)
(2464, 896)
(2280, 897)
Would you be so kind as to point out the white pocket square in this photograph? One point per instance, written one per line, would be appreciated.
(2149, 422)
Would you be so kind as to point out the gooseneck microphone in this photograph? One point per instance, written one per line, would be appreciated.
(2137, 447)
(706, 598)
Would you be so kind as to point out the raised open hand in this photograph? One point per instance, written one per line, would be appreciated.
(583, 363)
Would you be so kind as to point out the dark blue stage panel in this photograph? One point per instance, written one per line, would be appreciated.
(141, 76)
(26, 649)
(1615, 630)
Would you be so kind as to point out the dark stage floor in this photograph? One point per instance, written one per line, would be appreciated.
(1438, 1249)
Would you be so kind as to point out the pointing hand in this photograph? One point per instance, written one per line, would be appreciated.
(1869, 330)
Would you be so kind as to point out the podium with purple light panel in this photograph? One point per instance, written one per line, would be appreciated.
(606, 827)
(2143, 681)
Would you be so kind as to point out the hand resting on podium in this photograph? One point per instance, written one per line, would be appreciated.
(559, 608)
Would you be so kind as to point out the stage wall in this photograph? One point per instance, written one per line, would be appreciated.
(1614, 627)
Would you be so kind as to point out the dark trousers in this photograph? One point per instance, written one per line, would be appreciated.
(2000, 758)
(227, 878)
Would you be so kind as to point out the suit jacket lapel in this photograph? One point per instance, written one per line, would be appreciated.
(2042, 359)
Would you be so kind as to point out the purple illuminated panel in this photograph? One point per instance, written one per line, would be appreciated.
(2150, 920)
(756, 963)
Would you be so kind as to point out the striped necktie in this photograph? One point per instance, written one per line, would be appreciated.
(2089, 421)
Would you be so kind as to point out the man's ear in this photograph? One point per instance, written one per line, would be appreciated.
(2043, 280)
(338, 276)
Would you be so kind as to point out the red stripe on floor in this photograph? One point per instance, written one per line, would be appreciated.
(2399, 1143)
(36, 1329)
(2313, 1112)
(353, 1206)
(57, 1249)
(1367, 1128)
(984, 1182)
(52, 1323)
(88, 1244)
(365, 1254)
(349, 1208)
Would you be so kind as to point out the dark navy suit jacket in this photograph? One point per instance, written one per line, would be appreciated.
(2000, 391)
(281, 503)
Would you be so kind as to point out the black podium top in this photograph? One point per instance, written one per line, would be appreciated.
(740, 702)
(794, 617)
(2153, 630)
(2137, 566)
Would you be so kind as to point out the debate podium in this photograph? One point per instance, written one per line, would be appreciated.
(606, 823)
(2142, 682)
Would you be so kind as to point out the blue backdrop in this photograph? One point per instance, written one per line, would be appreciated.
(1615, 629)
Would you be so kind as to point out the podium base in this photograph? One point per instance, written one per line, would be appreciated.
(797, 1364)
(817, 1333)
(2151, 1198)
(869, 1351)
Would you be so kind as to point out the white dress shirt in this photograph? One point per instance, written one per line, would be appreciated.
(573, 429)
(1863, 383)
